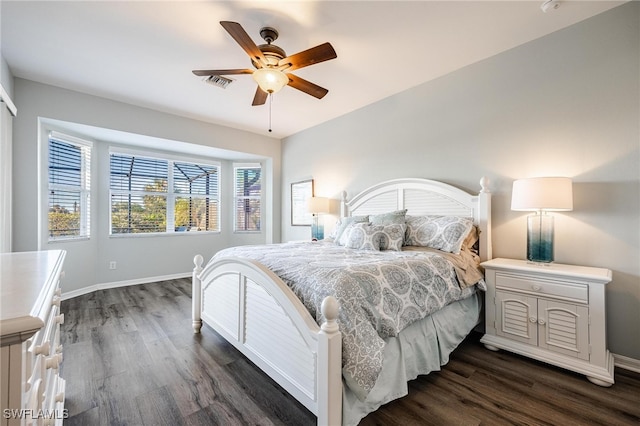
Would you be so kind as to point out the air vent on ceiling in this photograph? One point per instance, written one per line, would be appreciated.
(218, 81)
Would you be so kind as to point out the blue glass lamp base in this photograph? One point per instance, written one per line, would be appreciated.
(540, 238)
(317, 229)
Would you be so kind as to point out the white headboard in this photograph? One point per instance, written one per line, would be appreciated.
(426, 197)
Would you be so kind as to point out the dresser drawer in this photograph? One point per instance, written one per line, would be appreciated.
(35, 388)
(541, 287)
(43, 342)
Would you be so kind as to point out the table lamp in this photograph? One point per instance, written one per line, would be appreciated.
(541, 195)
(317, 206)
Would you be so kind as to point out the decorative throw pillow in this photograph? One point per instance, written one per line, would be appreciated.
(388, 218)
(393, 236)
(445, 233)
(340, 236)
(364, 236)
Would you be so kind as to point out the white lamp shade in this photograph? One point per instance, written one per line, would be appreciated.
(543, 193)
(270, 80)
(318, 205)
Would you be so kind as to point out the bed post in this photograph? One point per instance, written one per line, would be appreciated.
(484, 219)
(330, 372)
(196, 294)
(343, 204)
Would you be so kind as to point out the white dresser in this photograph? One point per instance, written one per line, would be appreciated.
(32, 392)
(551, 312)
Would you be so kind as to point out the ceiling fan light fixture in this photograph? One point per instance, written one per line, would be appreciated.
(270, 80)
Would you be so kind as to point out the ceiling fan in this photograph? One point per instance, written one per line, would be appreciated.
(272, 65)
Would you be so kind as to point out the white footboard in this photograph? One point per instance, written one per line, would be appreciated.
(260, 315)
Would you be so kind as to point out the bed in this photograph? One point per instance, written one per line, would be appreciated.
(300, 343)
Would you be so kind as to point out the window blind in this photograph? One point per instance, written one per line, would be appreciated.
(248, 194)
(68, 212)
(151, 195)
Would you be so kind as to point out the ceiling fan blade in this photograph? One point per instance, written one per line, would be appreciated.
(315, 55)
(260, 97)
(238, 33)
(306, 86)
(205, 73)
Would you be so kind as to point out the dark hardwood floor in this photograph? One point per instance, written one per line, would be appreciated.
(131, 358)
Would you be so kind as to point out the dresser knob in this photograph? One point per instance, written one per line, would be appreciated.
(43, 348)
(541, 322)
(533, 320)
(53, 361)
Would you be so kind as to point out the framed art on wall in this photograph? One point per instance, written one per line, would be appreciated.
(300, 193)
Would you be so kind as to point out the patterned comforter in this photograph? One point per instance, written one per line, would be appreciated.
(379, 292)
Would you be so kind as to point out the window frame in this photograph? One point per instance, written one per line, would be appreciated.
(236, 198)
(84, 189)
(170, 194)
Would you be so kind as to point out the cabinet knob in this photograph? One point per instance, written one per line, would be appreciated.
(533, 320)
(541, 321)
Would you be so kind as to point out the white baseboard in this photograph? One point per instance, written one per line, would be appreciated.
(626, 363)
(104, 286)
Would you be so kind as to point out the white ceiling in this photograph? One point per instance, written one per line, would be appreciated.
(142, 52)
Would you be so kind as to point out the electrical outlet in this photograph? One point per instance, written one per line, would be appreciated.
(112, 264)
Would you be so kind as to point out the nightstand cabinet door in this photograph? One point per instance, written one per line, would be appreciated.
(563, 328)
(517, 317)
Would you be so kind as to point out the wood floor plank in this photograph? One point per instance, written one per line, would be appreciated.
(78, 362)
(269, 395)
(158, 408)
(131, 358)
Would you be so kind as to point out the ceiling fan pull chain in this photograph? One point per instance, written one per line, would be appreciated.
(270, 103)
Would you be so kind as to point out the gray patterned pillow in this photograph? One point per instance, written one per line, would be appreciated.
(341, 236)
(444, 233)
(364, 236)
(388, 218)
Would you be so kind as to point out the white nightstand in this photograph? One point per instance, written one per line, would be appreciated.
(550, 312)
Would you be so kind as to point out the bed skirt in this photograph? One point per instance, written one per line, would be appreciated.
(420, 348)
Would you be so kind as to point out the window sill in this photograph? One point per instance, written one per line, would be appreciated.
(163, 234)
(68, 240)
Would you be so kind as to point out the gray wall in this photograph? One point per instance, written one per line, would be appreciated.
(563, 105)
(137, 258)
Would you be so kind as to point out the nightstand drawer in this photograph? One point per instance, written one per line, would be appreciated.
(570, 291)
